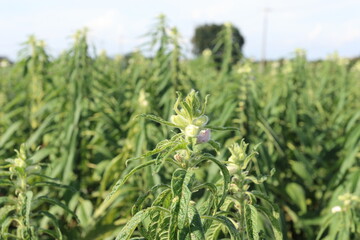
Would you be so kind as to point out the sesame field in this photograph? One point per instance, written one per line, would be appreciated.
(162, 146)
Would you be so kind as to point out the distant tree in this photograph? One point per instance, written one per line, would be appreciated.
(208, 36)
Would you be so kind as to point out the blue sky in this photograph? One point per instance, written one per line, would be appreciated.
(319, 26)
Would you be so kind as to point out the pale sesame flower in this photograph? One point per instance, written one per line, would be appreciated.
(192, 130)
(336, 209)
(204, 136)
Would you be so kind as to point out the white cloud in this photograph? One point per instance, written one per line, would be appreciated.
(350, 33)
(315, 32)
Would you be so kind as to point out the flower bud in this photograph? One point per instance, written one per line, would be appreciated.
(178, 120)
(201, 121)
(181, 155)
(192, 130)
(19, 162)
(232, 168)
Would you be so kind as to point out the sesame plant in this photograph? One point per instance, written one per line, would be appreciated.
(172, 209)
(24, 210)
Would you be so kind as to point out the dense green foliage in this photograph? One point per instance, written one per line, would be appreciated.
(82, 110)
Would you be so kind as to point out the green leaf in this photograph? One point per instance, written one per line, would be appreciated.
(215, 145)
(58, 203)
(131, 225)
(6, 224)
(43, 176)
(251, 218)
(9, 132)
(196, 227)
(39, 131)
(275, 222)
(209, 186)
(223, 128)
(6, 182)
(301, 169)
(235, 234)
(121, 181)
(137, 205)
(5, 211)
(6, 200)
(84, 211)
(55, 222)
(297, 195)
(180, 188)
(29, 197)
(157, 119)
(264, 197)
(248, 159)
(214, 230)
(49, 233)
(53, 184)
(223, 169)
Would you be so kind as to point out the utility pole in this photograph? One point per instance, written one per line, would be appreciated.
(264, 38)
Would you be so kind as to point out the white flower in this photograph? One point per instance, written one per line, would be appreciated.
(336, 209)
(192, 130)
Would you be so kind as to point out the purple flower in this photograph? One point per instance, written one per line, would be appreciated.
(203, 136)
